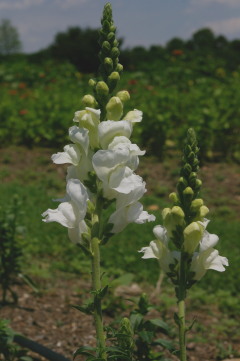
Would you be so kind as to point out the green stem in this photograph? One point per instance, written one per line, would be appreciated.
(181, 308)
(96, 283)
(182, 330)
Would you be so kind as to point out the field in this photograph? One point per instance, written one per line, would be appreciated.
(37, 106)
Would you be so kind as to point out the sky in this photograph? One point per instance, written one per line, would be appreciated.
(139, 22)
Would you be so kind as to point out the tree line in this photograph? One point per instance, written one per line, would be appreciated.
(80, 47)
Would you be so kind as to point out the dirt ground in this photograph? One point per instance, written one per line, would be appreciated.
(48, 318)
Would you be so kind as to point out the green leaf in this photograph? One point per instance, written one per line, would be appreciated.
(84, 350)
(146, 336)
(88, 309)
(161, 324)
(164, 343)
(136, 320)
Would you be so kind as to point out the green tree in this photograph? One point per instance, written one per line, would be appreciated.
(9, 38)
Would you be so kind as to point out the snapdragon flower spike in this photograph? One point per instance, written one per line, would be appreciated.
(184, 228)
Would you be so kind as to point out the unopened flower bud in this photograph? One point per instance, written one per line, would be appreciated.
(196, 204)
(106, 47)
(172, 218)
(115, 52)
(188, 194)
(198, 183)
(173, 197)
(89, 101)
(113, 78)
(192, 235)
(203, 211)
(111, 37)
(188, 191)
(119, 68)
(108, 64)
(102, 89)
(114, 109)
(123, 95)
(92, 82)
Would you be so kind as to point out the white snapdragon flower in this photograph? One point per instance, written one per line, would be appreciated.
(78, 154)
(89, 119)
(132, 213)
(159, 249)
(110, 129)
(207, 257)
(72, 211)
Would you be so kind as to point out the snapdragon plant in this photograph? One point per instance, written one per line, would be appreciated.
(184, 248)
(102, 163)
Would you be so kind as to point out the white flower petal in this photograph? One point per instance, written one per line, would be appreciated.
(78, 195)
(81, 170)
(123, 199)
(80, 136)
(208, 259)
(110, 129)
(160, 233)
(70, 155)
(208, 241)
(75, 234)
(64, 215)
(149, 251)
(134, 116)
(105, 161)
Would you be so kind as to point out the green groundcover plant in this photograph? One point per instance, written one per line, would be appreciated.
(103, 195)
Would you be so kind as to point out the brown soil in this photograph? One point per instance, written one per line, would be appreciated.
(49, 319)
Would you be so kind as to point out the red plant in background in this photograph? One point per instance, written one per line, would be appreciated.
(12, 92)
(23, 111)
(177, 52)
(22, 85)
(132, 82)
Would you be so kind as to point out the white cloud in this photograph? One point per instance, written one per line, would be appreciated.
(18, 4)
(228, 26)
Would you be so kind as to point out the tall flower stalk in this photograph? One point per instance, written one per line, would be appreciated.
(101, 173)
(183, 246)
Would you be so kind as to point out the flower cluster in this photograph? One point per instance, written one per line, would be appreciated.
(105, 150)
(203, 258)
(183, 246)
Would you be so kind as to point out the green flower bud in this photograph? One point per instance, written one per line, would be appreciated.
(173, 197)
(182, 184)
(172, 218)
(196, 204)
(198, 184)
(123, 95)
(115, 52)
(112, 28)
(102, 89)
(106, 47)
(188, 194)
(203, 211)
(92, 83)
(108, 64)
(188, 191)
(127, 341)
(114, 109)
(119, 68)
(111, 37)
(192, 235)
(187, 169)
(113, 78)
(89, 101)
